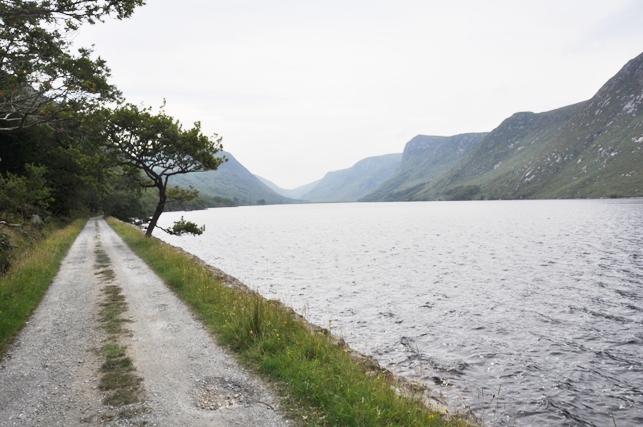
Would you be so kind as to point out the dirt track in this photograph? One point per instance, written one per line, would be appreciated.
(51, 375)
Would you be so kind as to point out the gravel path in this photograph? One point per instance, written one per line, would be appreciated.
(51, 375)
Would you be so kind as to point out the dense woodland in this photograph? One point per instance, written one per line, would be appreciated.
(70, 143)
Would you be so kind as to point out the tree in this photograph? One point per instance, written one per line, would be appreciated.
(158, 146)
(27, 195)
(80, 174)
(41, 78)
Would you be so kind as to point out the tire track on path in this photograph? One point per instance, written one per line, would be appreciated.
(51, 374)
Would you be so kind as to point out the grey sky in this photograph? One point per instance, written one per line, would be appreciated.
(299, 87)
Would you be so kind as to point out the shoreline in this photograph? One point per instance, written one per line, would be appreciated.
(322, 380)
(413, 389)
(303, 202)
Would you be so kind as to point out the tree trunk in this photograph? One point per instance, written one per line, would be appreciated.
(157, 212)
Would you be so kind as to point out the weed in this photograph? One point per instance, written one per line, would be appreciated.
(106, 274)
(118, 379)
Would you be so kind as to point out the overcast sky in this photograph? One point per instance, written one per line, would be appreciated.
(301, 87)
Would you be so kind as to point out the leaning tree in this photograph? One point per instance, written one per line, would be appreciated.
(158, 146)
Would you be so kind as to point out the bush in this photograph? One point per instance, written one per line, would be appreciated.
(5, 248)
(26, 195)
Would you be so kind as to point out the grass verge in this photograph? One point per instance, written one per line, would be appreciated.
(25, 283)
(318, 375)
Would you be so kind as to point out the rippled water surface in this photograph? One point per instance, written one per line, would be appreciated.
(526, 312)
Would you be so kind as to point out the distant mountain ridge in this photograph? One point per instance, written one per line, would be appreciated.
(230, 181)
(294, 193)
(593, 148)
(590, 149)
(424, 158)
(355, 182)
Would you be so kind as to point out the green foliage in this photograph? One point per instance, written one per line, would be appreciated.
(183, 226)
(80, 178)
(123, 197)
(47, 90)
(327, 385)
(68, 13)
(182, 195)
(27, 280)
(159, 147)
(157, 144)
(25, 195)
(42, 80)
(5, 248)
(52, 114)
(201, 201)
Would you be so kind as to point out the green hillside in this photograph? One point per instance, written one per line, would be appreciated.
(355, 182)
(590, 149)
(424, 158)
(230, 181)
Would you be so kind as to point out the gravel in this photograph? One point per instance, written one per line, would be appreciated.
(50, 375)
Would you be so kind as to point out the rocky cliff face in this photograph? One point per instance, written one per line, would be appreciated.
(590, 149)
(425, 158)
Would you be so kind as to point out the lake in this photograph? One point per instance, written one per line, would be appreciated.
(524, 312)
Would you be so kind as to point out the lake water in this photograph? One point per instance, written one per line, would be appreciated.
(525, 312)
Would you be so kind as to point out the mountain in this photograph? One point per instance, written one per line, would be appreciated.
(230, 181)
(294, 193)
(351, 184)
(590, 149)
(424, 158)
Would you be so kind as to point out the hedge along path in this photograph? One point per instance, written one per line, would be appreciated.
(170, 372)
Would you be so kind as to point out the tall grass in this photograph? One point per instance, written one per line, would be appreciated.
(25, 283)
(319, 377)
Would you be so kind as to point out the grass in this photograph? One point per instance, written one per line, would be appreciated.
(111, 309)
(317, 374)
(118, 378)
(23, 286)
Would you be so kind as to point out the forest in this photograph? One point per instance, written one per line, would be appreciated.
(71, 145)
